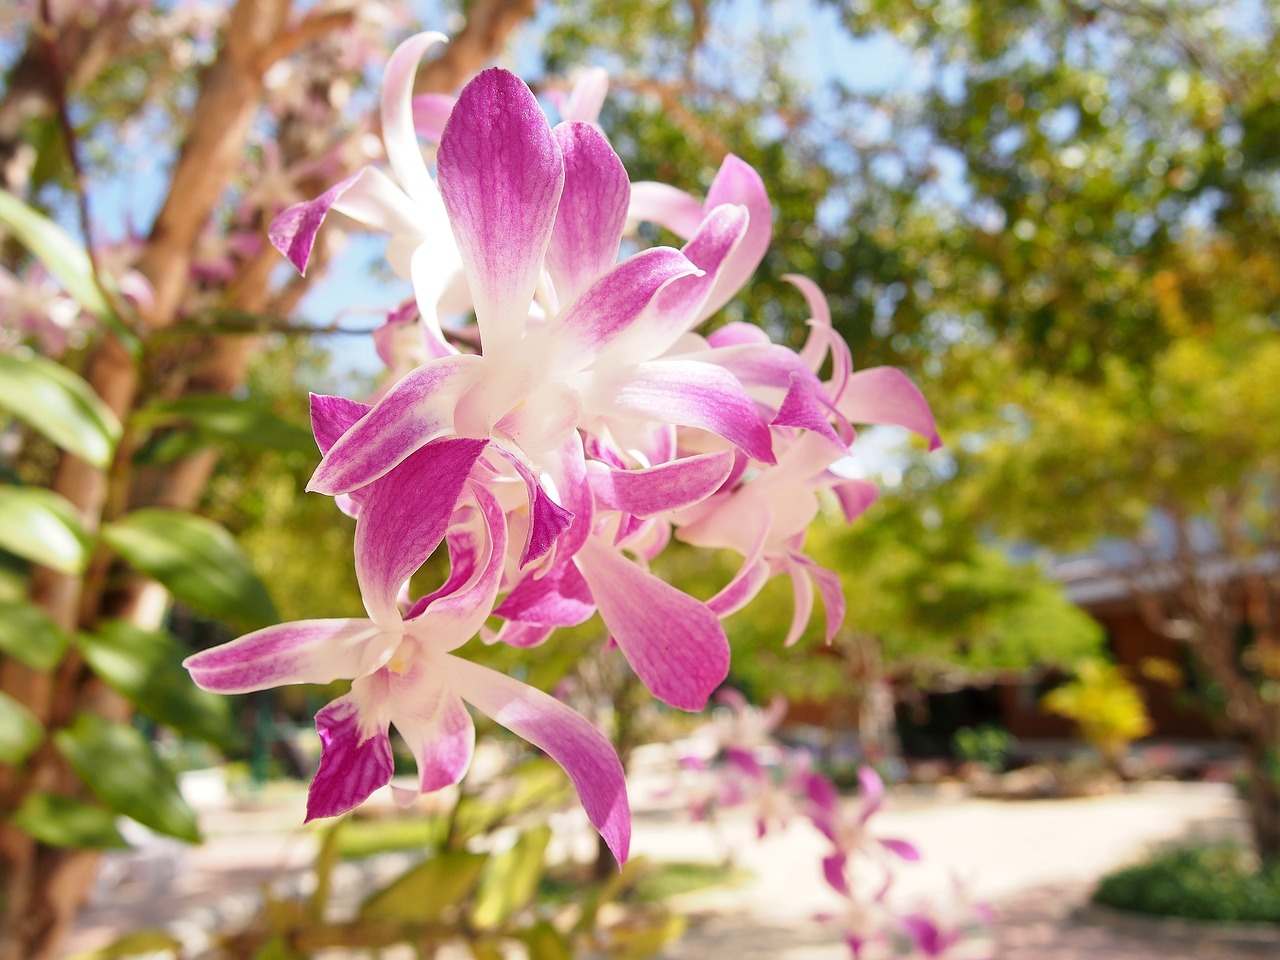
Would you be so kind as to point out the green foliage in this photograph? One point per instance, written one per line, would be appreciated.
(197, 560)
(67, 822)
(42, 526)
(428, 891)
(988, 745)
(122, 770)
(146, 666)
(29, 636)
(20, 731)
(60, 405)
(1105, 705)
(510, 879)
(245, 423)
(1221, 883)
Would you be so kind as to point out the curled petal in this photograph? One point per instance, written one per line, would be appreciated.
(501, 175)
(398, 128)
(802, 571)
(871, 791)
(404, 517)
(587, 96)
(430, 113)
(886, 395)
(833, 873)
(305, 651)
(561, 598)
(668, 486)
(331, 417)
(368, 195)
(738, 182)
(584, 753)
(856, 496)
(691, 394)
(805, 408)
(435, 725)
(417, 410)
(352, 765)
(592, 211)
(666, 206)
(672, 641)
(901, 848)
(547, 519)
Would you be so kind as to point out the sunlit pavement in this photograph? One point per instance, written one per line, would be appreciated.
(1033, 860)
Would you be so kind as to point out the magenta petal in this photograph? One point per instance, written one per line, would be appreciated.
(404, 517)
(672, 641)
(522, 635)
(500, 176)
(855, 497)
(690, 393)
(803, 408)
(666, 206)
(871, 792)
(430, 113)
(331, 417)
(741, 590)
(829, 588)
(437, 729)
(738, 182)
(417, 410)
(592, 211)
(351, 765)
(305, 651)
(561, 598)
(668, 486)
(615, 301)
(902, 848)
(886, 395)
(293, 231)
(833, 873)
(584, 753)
(547, 519)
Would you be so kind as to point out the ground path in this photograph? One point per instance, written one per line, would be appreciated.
(1033, 860)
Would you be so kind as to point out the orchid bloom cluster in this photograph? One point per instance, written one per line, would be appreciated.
(748, 768)
(555, 461)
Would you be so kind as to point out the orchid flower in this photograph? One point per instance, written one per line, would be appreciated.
(848, 832)
(404, 672)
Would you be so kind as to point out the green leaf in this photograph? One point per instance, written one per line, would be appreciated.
(122, 770)
(197, 560)
(28, 635)
(423, 894)
(63, 822)
(545, 942)
(139, 943)
(242, 422)
(42, 526)
(510, 879)
(146, 666)
(61, 255)
(56, 402)
(20, 731)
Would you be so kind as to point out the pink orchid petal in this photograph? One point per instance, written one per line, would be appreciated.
(902, 848)
(829, 589)
(738, 182)
(304, 651)
(586, 98)
(803, 408)
(568, 469)
(561, 598)
(690, 393)
(870, 791)
(885, 395)
(672, 641)
(522, 635)
(352, 765)
(856, 497)
(584, 753)
(435, 724)
(802, 590)
(368, 195)
(741, 590)
(430, 113)
(833, 873)
(548, 520)
(815, 348)
(737, 334)
(614, 302)
(666, 206)
(668, 486)
(676, 307)
(404, 517)
(500, 174)
(331, 417)
(417, 410)
(404, 154)
(592, 211)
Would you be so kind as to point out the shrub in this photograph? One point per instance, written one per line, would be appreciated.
(1219, 882)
